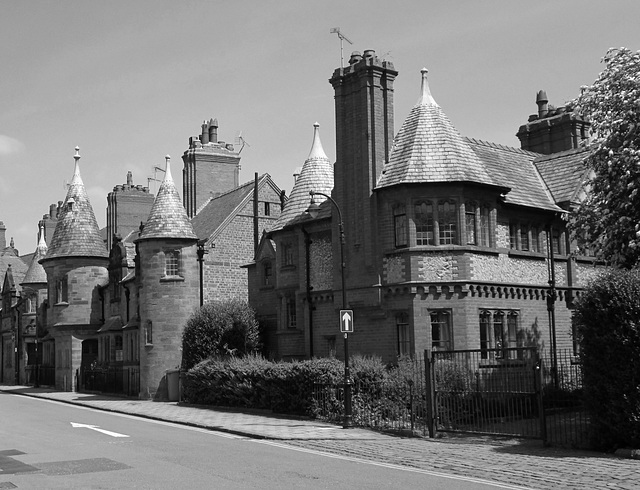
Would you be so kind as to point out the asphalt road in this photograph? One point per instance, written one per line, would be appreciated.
(48, 445)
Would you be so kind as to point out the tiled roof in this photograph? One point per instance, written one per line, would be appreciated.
(13, 270)
(316, 174)
(513, 168)
(564, 173)
(428, 148)
(76, 233)
(35, 273)
(168, 218)
(219, 210)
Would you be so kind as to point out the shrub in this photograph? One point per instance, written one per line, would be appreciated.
(254, 382)
(607, 320)
(219, 328)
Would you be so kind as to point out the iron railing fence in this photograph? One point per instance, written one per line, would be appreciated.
(519, 392)
(115, 380)
(397, 403)
(566, 420)
(488, 391)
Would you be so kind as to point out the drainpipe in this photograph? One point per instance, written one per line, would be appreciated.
(551, 301)
(256, 224)
(307, 244)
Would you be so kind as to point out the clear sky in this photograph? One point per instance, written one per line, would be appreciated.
(129, 81)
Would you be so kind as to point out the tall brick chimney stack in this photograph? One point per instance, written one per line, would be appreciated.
(364, 136)
(211, 168)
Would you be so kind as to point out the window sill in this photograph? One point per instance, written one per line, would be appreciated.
(533, 255)
(289, 267)
(289, 331)
(444, 248)
(62, 303)
(266, 287)
(171, 279)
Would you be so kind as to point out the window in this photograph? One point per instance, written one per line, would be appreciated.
(267, 208)
(499, 333)
(424, 223)
(447, 223)
(32, 304)
(62, 290)
(287, 254)
(402, 326)
(267, 273)
(535, 243)
(172, 263)
(292, 320)
(524, 238)
(484, 226)
(400, 225)
(470, 222)
(118, 348)
(513, 236)
(441, 336)
(148, 333)
(555, 240)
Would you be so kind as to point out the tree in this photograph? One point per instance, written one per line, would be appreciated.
(219, 328)
(607, 321)
(608, 220)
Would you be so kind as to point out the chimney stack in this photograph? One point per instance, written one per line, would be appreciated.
(3, 240)
(543, 104)
(204, 137)
(213, 130)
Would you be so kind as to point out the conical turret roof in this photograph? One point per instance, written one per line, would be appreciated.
(428, 148)
(168, 218)
(36, 273)
(316, 175)
(76, 233)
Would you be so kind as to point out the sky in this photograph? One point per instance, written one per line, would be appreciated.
(130, 81)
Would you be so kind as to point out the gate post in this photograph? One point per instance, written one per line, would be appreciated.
(431, 392)
(538, 386)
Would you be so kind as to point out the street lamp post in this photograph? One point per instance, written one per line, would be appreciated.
(313, 212)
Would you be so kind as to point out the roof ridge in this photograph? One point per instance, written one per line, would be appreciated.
(500, 146)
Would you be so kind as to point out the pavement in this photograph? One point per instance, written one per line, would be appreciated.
(509, 463)
(258, 424)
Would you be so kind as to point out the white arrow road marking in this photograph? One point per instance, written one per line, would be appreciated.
(97, 429)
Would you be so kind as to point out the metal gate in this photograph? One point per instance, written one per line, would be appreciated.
(486, 391)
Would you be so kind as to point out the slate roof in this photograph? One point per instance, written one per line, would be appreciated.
(564, 173)
(514, 168)
(316, 174)
(218, 211)
(168, 218)
(13, 270)
(76, 233)
(428, 148)
(36, 273)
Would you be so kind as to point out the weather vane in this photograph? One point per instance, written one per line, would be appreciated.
(336, 30)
